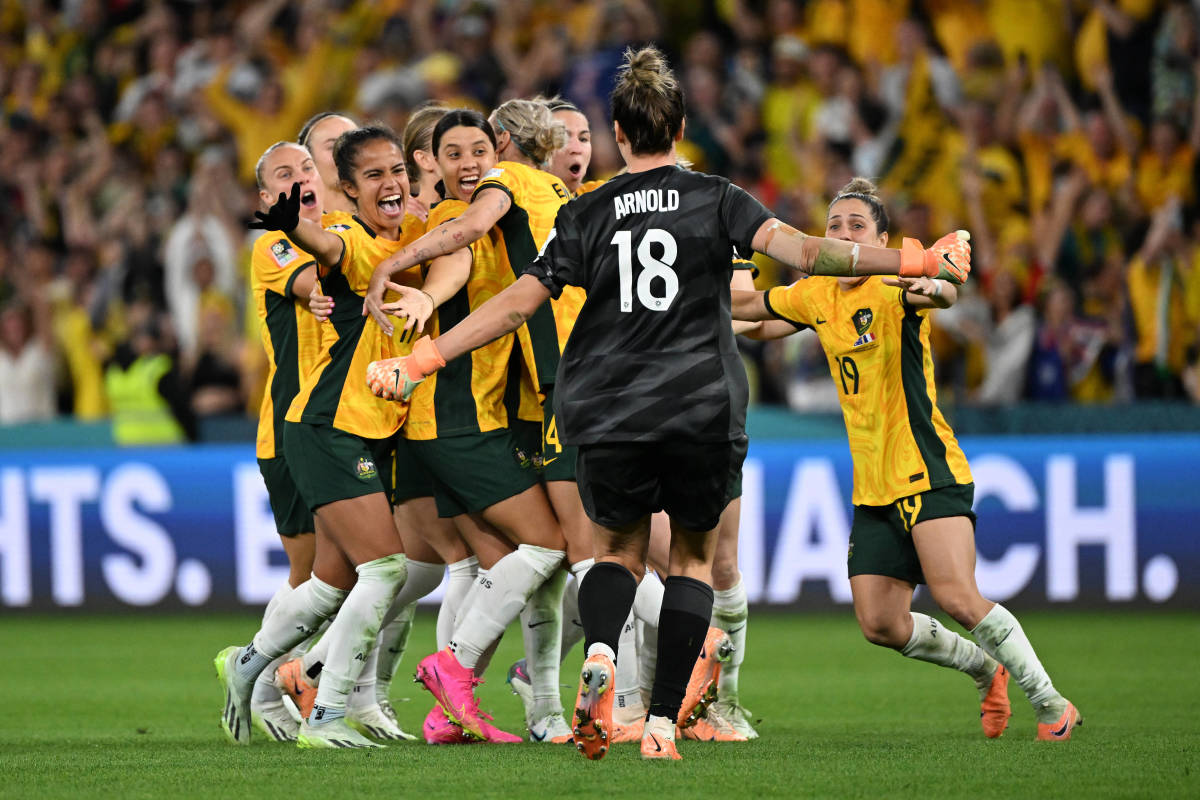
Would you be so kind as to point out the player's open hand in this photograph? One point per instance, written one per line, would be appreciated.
(283, 216)
(319, 303)
(373, 300)
(927, 287)
(414, 306)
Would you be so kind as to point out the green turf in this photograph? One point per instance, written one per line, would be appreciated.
(128, 707)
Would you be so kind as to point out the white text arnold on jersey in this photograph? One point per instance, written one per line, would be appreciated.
(644, 200)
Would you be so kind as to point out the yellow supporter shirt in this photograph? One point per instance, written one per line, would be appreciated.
(1156, 298)
(1157, 182)
(335, 390)
(1111, 173)
(468, 394)
(878, 352)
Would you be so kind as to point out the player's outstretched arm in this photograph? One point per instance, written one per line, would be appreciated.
(925, 292)
(747, 306)
(396, 378)
(447, 276)
(284, 216)
(488, 206)
(948, 259)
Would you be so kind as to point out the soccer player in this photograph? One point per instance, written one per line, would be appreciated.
(913, 490)
(650, 387)
(281, 274)
(338, 437)
(319, 135)
(519, 201)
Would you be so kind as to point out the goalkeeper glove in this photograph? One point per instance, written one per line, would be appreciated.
(398, 378)
(949, 259)
(283, 216)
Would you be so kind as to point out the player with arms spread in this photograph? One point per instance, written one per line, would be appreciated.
(913, 489)
(650, 385)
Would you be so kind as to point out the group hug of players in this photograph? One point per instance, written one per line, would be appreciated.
(567, 441)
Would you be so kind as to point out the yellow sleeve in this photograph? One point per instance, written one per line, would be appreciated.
(277, 261)
(499, 177)
(790, 303)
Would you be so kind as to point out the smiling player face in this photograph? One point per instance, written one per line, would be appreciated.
(464, 154)
(293, 164)
(380, 186)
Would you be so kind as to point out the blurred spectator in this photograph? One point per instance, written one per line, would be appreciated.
(26, 364)
(145, 392)
(1057, 131)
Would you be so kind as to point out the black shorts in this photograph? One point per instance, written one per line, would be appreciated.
(692, 481)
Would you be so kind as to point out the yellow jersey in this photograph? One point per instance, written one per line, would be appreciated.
(878, 352)
(335, 390)
(518, 236)
(290, 335)
(468, 395)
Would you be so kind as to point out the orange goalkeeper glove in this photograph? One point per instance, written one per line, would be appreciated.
(397, 378)
(949, 259)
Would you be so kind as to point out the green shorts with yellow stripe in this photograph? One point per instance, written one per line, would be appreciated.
(881, 536)
(558, 459)
(476, 470)
(330, 465)
(292, 516)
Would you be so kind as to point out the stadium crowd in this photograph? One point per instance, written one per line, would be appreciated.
(1062, 133)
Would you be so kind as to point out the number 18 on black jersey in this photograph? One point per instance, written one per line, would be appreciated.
(652, 355)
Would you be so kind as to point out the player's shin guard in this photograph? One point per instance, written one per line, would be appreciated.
(541, 628)
(458, 586)
(730, 613)
(572, 627)
(1002, 637)
(683, 624)
(501, 596)
(934, 643)
(605, 598)
(352, 635)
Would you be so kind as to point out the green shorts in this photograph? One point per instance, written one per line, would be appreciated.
(411, 478)
(330, 465)
(476, 470)
(292, 517)
(558, 459)
(881, 536)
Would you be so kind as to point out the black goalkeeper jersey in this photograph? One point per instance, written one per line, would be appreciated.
(652, 355)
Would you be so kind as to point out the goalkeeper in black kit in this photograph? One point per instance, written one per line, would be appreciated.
(650, 385)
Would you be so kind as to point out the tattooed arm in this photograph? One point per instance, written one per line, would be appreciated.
(487, 208)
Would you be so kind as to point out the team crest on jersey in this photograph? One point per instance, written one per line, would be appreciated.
(283, 252)
(862, 320)
(365, 469)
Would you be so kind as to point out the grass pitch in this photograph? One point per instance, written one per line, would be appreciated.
(128, 707)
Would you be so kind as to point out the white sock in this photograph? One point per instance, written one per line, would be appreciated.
(352, 635)
(297, 616)
(572, 628)
(647, 604)
(462, 579)
(423, 578)
(265, 690)
(627, 703)
(1002, 637)
(501, 596)
(937, 644)
(662, 727)
(541, 628)
(600, 648)
(301, 649)
(730, 612)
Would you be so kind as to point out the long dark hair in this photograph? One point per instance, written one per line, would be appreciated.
(460, 117)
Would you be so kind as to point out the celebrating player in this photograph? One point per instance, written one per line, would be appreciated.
(651, 387)
(912, 486)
